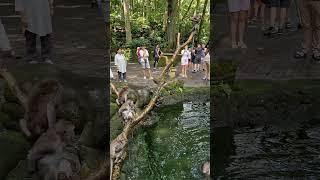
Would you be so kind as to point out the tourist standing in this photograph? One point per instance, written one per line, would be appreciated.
(275, 5)
(239, 15)
(207, 69)
(36, 17)
(310, 16)
(197, 61)
(203, 54)
(156, 56)
(121, 63)
(185, 56)
(144, 60)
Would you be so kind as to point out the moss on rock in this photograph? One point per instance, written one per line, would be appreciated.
(14, 147)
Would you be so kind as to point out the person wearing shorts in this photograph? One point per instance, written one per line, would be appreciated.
(144, 54)
(239, 15)
(310, 19)
(274, 6)
(197, 60)
(184, 61)
(207, 62)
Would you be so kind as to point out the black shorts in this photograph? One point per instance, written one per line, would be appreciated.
(279, 3)
(197, 60)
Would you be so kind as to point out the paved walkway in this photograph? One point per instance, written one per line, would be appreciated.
(78, 38)
(135, 76)
(267, 58)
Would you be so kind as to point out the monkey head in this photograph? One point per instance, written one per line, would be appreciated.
(65, 129)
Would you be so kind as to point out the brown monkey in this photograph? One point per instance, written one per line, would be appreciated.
(123, 95)
(41, 108)
(51, 142)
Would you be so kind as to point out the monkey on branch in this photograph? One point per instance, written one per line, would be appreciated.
(41, 104)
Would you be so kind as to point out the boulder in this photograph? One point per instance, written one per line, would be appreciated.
(14, 148)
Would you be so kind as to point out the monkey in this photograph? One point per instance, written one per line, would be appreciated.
(41, 107)
(117, 151)
(123, 95)
(127, 111)
(52, 141)
(205, 169)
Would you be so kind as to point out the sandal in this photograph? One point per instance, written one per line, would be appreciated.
(300, 55)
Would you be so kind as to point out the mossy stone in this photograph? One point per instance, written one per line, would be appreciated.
(14, 147)
(15, 111)
(7, 122)
(20, 172)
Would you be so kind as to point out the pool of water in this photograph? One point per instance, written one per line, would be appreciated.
(175, 148)
(261, 153)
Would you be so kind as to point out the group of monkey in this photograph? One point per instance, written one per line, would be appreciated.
(53, 155)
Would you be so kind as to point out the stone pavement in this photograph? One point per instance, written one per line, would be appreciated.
(78, 36)
(135, 76)
(267, 58)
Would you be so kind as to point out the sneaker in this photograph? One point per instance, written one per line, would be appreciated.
(144, 77)
(125, 81)
(33, 62)
(48, 61)
(288, 25)
(270, 31)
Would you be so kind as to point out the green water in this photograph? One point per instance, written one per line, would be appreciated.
(175, 148)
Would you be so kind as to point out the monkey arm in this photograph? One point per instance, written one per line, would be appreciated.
(13, 85)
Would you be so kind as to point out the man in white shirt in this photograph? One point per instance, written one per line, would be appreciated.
(36, 19)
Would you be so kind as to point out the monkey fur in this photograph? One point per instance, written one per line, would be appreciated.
(127, 111)
(123, 96)
(60, 162)
(41, 108)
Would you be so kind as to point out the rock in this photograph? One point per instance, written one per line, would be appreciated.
(14, 148)
(91, 160)
(20, 172)
(15, 111)
(86, 138)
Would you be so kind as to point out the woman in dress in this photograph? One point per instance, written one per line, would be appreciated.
(185, 60)
(239, 15)
(207, 69)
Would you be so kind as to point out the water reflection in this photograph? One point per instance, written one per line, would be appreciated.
(267, 153)
(175, 148)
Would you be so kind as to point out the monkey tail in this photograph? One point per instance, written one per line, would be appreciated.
(24, 128)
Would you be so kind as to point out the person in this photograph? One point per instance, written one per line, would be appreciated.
(36, 17)
(259, 5)
(197, 60)
(156, 56)
(121, 63)
(239, 15)
(184, 61)
(202, 56)
(207, 69)
(144, 60)
(111, 74)
(310, 17)
(274, 5)
(138, 54)
(193, 59)
(5, 46)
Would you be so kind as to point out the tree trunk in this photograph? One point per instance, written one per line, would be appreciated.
(171, 24)
(202, 19)
(126, 13)
(195, 12)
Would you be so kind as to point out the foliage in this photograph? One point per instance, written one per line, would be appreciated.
(173, 88)
(148, 21)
